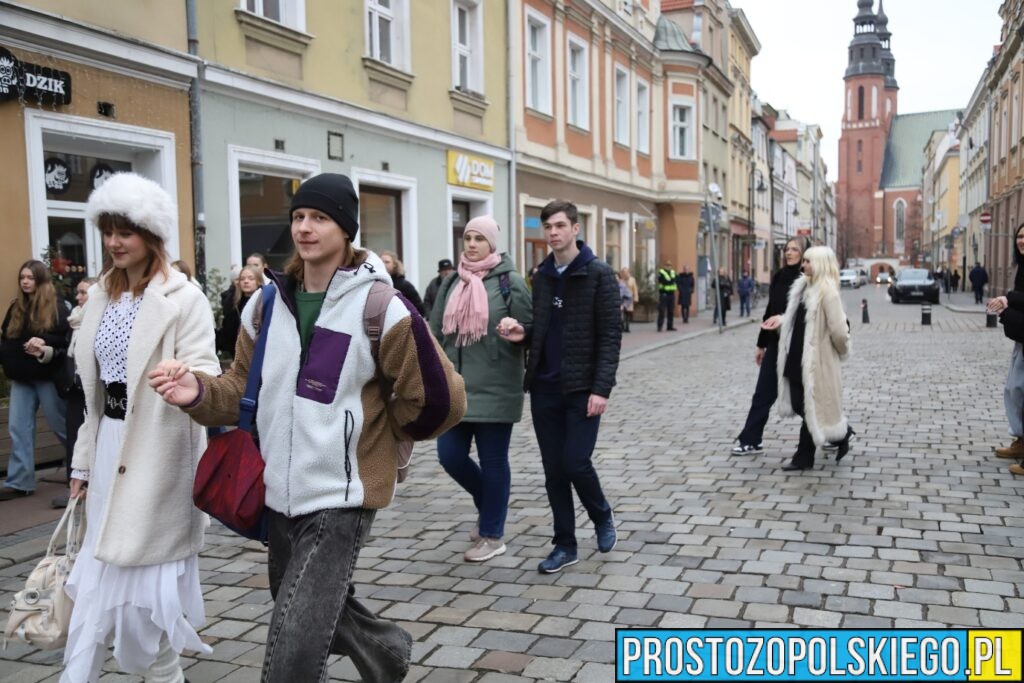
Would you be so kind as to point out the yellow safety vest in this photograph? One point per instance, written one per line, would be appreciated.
(671, 276)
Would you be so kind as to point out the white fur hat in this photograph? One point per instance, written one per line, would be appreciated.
(138, 199)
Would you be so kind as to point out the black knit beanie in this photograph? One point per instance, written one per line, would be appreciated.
(333, 194)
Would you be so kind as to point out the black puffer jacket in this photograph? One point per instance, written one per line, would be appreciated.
(22, 367)
(778, 298)
(592, 327)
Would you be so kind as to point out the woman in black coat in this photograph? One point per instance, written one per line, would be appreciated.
(250, 278)
(396, 269)
(1011, 310)
(766, 355)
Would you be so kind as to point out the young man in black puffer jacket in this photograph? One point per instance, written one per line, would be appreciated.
(574, 355)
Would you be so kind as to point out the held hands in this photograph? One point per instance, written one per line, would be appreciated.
(173, 381)
(510, 330)
(34, 347)
(997, 305)
(772, 323)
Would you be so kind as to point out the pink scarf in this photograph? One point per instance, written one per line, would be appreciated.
(466, 313)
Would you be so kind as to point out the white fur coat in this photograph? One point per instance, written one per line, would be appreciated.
(826, 344)
(149, 517)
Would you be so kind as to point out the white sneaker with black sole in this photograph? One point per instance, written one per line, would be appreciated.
(747, 449)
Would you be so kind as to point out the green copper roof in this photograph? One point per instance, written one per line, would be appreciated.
(904, 150)
(668, 36)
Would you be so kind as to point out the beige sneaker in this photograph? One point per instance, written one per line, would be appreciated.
(1014, 451)
(1016, 469)
(485, 549)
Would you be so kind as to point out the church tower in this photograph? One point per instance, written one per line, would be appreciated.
(869, 107)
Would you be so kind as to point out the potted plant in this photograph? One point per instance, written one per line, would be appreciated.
(645, 308)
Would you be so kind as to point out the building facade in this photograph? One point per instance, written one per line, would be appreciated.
(974, 169)
(417, 118)
(743, 47)
(88, 89)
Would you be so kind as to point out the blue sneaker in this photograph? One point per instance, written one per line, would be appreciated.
(558, 560)
(606, 536)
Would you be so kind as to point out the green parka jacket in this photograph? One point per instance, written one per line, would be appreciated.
(492, 367)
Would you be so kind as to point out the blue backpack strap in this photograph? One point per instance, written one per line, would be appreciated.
(505, 285)
(247, 406)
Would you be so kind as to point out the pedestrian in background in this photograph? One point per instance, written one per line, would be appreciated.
(396, 269)
(956, 280)
(667, 296)
(723, 282)
(979, 278)
(1011, 311)
(813, 340)
(685, 282)
(444, 271)
(135, 582)
(465, 321)
(185, 269)
(630, 294)
(574, 355)
(328, 432)
(745, 287)
(767, 353)
(249, 280)
(34, 329)
(75, 399)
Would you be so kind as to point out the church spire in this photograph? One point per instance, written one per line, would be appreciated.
(884, 36)
(865, 54)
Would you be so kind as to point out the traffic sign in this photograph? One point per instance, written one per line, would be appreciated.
(985, 217)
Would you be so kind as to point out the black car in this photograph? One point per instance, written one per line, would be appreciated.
(914, 284)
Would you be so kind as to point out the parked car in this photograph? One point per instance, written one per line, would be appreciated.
(914, 284)
(862, 276)
(849, 277)
(883, 277)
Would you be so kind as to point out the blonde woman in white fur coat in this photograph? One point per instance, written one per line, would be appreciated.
(814, 339)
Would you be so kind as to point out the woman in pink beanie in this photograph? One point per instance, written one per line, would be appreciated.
(470, 303)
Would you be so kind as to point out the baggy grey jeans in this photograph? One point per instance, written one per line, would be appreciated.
(311, 561)
(1013, 393)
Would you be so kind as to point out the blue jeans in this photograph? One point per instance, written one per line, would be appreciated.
(26, 398)
(489, 482)
(566, 437)
(744, 305)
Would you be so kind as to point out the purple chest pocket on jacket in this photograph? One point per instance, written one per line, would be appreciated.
(319, 377)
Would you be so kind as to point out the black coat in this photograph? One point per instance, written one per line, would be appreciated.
(778, 298)
(231, 321)
(22, 367)
(685, 283)
(408, 290)
(978, 277)
(592, 332)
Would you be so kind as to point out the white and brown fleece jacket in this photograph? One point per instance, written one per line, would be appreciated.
(325, 435)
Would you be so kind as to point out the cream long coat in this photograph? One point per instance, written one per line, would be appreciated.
(149, 517)
(826, 344)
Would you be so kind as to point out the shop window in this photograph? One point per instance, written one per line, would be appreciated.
(460, 216)
(536, 247)
(265, 203)
(613, 243)
(380, 219)
(68, 251)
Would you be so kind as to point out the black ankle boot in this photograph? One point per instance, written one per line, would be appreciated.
(844, 445)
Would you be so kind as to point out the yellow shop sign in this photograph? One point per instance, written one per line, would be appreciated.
(466, 170)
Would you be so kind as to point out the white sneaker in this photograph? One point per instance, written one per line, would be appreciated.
(746, 449)
(485, 549)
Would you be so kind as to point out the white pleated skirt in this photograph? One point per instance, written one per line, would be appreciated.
(130, 608)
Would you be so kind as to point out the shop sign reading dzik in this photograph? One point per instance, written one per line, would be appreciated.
(32, 82)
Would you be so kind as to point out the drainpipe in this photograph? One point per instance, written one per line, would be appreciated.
(513, 201)
(196, 129)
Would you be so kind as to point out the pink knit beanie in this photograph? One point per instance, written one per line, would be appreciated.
(486, 226)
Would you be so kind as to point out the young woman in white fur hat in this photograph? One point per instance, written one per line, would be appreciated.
(814, 339)
(136, 581)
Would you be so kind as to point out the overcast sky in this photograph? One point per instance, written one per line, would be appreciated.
(941, 48)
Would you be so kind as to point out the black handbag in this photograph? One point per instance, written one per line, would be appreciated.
(65, 376)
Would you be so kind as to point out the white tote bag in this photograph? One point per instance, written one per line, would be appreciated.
(41, 612)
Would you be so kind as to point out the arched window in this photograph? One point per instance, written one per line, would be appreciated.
(860, 103)
(900, 220)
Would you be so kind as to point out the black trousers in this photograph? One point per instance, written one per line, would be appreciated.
(74, 419)
(684, 306)
(805, 449)
(765, 394)
(666, 309)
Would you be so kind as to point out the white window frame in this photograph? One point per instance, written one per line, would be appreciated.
(473, 52)
(152, 153)
(542, 57)
(579, 111)
(673, 153)
(480, 204)
(261, 161)
(410, 213)
(398, 14)
(293, 12)
(643, 116)
(625, 248)
(620, 106)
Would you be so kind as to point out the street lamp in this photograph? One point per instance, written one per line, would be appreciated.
(714, 191)
(761, 189)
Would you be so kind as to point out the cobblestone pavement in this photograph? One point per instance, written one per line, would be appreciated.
(920, 525)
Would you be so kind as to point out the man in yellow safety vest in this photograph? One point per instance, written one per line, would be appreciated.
(666, 296)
